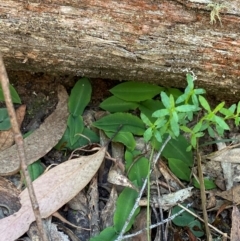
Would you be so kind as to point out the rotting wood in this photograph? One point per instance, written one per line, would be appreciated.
(153, 41)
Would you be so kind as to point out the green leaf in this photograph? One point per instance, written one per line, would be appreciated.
(220, 121)
(190, 81)
(165, 100)
(145, 120)
(15, 97)
(126, 138)
(209, 184)
(135, 91)
(179, 168)
(108, 234)
(184, 218)
(226, 112)
(158, 135)
(174, 92)
(186, 108)
(176, 148)
(79, 97)
(125, 203)
(114, 104)
(35, 170)
(199, 91)
(204, 103)
(238, 108)
(196, 228)
(160, 113)
(129, 123)
(4, 120)
(174, 127)
(148, 134)
(139, 166)
(218, 107)
(76, 125)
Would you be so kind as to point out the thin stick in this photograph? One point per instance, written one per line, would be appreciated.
(203, 196)
(20, 147)
(141, 192)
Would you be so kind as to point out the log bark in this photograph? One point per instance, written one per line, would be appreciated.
(144, 40)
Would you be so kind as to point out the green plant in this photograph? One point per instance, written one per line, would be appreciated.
(77, 134)
(4, 118)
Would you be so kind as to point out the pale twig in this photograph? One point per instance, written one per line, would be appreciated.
(20, 147)
(209, 225)
(156, 224)
(141, 192)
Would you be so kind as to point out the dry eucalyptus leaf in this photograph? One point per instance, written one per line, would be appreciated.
(41, 141)
(53, 189)
(6, 137)
(235, 230)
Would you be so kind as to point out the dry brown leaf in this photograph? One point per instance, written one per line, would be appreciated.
(53, 189)
(6, 137)
(41, 141)
(235, 230)
(232, 195)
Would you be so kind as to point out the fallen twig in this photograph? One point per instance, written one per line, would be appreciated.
(20, 146)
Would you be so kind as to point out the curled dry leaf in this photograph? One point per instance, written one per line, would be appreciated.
(41, 141)
(53, 189)
(6, 137)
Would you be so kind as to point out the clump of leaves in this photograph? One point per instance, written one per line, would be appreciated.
(77, 134)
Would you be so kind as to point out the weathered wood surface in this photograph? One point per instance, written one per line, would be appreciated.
(145, 40)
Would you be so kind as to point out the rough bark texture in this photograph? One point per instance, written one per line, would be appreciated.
(144, 40)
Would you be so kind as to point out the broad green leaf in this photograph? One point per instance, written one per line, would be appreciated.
(138, 166)
(79, 97)
(176, 148)
(209, 184)
(76, 125)
(126, 138)
(184, 218)
(149, 106)
(64, 142)
(108, 234)
(15, 97)
(35, 170)
(125, 203)
(232, 108)
(114, 104)
(129, 123)
(4, 120)
(165, 100)
(179, 168)
(135, 91)
(196, 228)
(204, 103)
